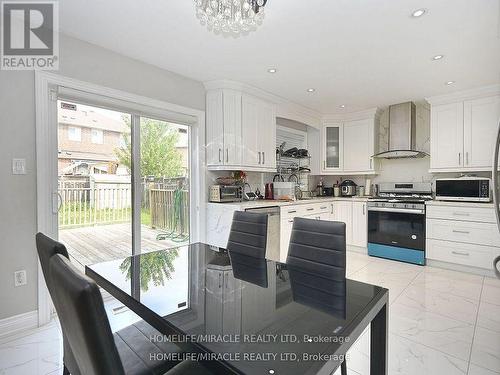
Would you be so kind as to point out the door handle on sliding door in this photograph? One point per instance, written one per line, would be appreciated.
(56, 202)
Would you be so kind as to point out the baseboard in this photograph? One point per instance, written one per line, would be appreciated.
(460, 268)
(18, 323)
(357, 249)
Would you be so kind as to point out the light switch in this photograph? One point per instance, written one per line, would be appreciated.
(18, 166)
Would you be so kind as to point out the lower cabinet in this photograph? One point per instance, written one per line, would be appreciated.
(353, 213)
(462, 234)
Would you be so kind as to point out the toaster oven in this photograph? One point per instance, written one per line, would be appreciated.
(224, 194)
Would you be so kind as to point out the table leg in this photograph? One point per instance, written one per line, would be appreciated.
(378, 343)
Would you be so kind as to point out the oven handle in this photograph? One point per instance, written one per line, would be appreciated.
(397, 210)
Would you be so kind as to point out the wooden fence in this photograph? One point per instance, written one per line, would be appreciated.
(87, 206)
(169, 211)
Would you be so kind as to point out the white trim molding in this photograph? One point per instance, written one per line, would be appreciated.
(458, 96)
(18, 323)
(352, 116)
(47, 86)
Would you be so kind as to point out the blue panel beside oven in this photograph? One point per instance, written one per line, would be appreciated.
(397, 253)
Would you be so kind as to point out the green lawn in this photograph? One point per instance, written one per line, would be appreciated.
(78, 215)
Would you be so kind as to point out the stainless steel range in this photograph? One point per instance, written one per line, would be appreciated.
(396, 222)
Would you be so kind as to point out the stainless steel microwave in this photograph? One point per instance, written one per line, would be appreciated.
(466, 189)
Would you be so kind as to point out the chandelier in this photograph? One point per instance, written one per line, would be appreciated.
(230, 16)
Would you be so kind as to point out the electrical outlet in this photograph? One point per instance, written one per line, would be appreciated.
(20, 278)
(18, 166)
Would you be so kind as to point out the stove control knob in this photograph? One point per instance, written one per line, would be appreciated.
(414, 206)
(394, 205)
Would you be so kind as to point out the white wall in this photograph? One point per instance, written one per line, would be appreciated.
(81, 61)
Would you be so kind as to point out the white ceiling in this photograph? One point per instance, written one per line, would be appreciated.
(361, 53)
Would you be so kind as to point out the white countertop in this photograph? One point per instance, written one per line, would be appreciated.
(270, 203)
(459, 204)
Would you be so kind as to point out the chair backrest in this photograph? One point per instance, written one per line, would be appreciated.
(249, 269)
(46, 248)
(80, 308)
(317, 262)
(248, 234)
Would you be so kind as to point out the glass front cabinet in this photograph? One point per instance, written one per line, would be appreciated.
(332, 143)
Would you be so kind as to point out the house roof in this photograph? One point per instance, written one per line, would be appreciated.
(86, 117)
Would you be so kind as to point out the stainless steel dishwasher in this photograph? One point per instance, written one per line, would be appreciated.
(273, 230)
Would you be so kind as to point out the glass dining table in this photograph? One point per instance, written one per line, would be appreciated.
(246, 315)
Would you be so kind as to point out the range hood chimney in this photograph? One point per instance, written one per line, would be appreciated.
(402, 133)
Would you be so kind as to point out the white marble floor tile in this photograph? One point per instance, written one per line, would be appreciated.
(460, 284)
(491, 292)
(38, 353)
(409, 358)
(486, 349)
(489, 316)
(476, 370)
(448, 305)
(358, 357)
(493, 281)
(356, 261)
(446, 335)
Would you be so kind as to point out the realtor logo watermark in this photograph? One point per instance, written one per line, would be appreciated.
(30, 37)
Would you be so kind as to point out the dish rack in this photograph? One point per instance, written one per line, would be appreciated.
(289, 166)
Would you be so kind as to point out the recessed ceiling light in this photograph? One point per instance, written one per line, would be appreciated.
(450, 83)
(342, 106)
(438, 57)
(418, 13)
(311, 90)
(272, 70)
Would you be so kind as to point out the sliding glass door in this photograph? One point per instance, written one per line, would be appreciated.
(123, 182)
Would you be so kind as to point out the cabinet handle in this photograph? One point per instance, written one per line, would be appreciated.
(467, 158)
(263, 157)
(220, 284)
(292, 212)
(371, 163)
(323, 208)
(461, 231)
(220, 159)
(227, 155)
(259, 158)
(290, 221)
(459, 158)
(310, 209)
(363, 210)
(460, 253)
(332, 209)
(461, 214)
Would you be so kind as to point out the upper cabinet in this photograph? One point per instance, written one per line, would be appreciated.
(463, 132)
(240, 131)
(348, 146)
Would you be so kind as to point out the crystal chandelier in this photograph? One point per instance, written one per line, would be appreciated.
(230, 16)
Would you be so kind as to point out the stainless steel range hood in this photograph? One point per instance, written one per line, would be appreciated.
(402, 133)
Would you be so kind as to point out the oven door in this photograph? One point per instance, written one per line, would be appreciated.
(398, 229)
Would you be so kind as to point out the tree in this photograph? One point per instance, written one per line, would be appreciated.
(159, 155)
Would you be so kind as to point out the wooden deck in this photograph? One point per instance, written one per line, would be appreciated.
(90, 245)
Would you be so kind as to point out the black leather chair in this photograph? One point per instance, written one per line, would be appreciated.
(84, 322)
(83, 319)
(248, 235)
(316, 263)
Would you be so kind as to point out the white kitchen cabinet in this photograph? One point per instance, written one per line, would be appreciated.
(358, 145)
(215, 128)
(259, 133)
(359, 224)
(223, 136)
(447, 136)
(348, 146)
(342, 211)
(332, 143)
(240, 132)
(462, 234)
(481, 118)
(463, 133)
